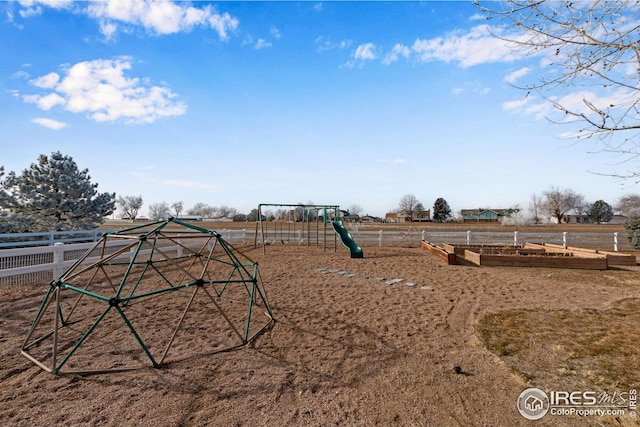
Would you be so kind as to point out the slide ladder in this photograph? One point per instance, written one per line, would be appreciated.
(347, 240)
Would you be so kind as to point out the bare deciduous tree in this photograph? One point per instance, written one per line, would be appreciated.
(355, 209)
(558, 202)
(129, 206)
(408, 204)
(177, 208)
(590, 59)
(159, 211)
(201, 209)
(534, 208)
(628, 204)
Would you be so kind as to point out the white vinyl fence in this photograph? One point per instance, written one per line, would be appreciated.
(42, 264)
(19, 240)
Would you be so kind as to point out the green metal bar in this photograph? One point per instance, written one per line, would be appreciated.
(137, 227)
(194, 227)
(144, 270)
(84, 292)
(81, 340)
(45, 303)
(246, 329)
(236, 261)
(135, 334)
(263, 297)
(128, 271)
(80, 260)
(165, 290)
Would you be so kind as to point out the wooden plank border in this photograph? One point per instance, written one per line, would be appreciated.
(448, 257)
(613, 258)
(549, 259)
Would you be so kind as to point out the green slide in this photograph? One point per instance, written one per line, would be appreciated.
(347, 240)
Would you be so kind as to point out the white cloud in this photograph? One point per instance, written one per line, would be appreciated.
(162, 17)
(471, 87)
(397, 51)
(159, 17)
(275, 33)
(478, 46)
(573, 101)
(20, 75)
(478, 17)
(530, 105)
(514, 76)
(49, 123)
(366, 51)
(47, 81)
(324, 44)
(101, 89)
(261, 44)
(45, 102)
(515, 105)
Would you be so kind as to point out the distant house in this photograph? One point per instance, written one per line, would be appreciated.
(369, 218)
(190, 218)
(584, 219)
(403, 217)
(348, 217)
(575, 219)
(396, 217)
(486, 215)
(617, 220)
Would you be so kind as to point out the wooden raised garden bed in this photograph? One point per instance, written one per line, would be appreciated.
(528, 255)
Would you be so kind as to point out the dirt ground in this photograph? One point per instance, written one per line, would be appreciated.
(343, 350)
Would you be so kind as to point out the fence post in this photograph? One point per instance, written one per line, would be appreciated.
(515, 239)
(468, 237)
(565, 239)
(616, 248)
(380, 238)
(424, 235)
(244, 236)
(58, 260)
(180, 248)
(51, 238)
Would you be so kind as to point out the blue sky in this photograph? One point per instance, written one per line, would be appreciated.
(241, 103)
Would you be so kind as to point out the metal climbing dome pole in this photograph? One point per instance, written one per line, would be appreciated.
(139, 293)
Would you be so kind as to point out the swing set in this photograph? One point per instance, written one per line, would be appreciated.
(300, 229)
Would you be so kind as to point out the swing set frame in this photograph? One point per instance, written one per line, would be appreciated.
(329, 213)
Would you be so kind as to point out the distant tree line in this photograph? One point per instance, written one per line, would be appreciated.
(54, 194)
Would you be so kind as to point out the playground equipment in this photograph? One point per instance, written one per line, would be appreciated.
(116, 305)
(347, 240)
(306, 215)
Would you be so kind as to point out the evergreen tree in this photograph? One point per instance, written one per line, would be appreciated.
(632, 225)
(53, 195)
(441, 210)
(600, 212)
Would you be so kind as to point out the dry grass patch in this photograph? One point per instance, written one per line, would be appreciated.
(583, 349)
